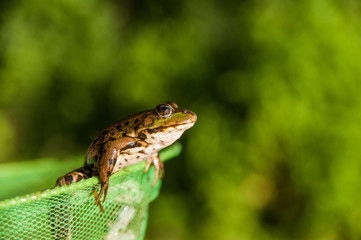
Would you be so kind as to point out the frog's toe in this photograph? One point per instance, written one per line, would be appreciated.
(155, 178)
(99, 204)
(147, 166)
(103, 190)
(159, 168)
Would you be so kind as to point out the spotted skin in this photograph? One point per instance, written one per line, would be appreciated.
(136, 138)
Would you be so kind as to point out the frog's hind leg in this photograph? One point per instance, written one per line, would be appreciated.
(69, 178)
(74, 176)
(61, 216)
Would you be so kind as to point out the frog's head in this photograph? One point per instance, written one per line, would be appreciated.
(165, 124)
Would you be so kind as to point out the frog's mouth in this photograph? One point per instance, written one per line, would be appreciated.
(170, 128)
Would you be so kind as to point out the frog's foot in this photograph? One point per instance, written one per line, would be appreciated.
(159, 168)
(70, 178)
(103, 190)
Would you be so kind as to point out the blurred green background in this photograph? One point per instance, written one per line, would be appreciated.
(275, 153)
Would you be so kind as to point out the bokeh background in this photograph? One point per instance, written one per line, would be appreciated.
(275, 153)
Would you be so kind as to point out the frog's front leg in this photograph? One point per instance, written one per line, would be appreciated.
(158, 165)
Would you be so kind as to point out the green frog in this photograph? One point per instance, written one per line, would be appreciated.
(136, 138)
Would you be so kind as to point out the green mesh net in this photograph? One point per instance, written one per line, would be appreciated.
(70, 212)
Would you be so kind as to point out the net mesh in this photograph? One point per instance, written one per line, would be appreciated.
(70, 212)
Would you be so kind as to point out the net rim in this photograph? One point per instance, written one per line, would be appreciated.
(165, 155)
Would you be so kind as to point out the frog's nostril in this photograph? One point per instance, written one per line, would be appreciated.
(185, 111)
(192, 116)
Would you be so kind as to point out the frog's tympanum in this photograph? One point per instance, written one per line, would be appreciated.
(136, 138)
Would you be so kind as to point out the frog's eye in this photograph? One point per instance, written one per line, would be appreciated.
(164, 110)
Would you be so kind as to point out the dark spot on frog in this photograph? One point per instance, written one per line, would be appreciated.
(105, 132)
(126, 123)
(154, 130)
(118, 127)
(108, 174)
(162, 128)
(98, 140)
(99, 147)
(112, 161)
(88, 170)
(125, 159)
(138, 157)
(131, 145)
(136, 120)
(112, 139)
(103, 149)
(141, 151)
(142, 136)
(69, 178)
(79, 177)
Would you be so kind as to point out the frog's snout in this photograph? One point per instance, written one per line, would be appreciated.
(192, 115)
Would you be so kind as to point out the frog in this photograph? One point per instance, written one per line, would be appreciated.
(136, 138)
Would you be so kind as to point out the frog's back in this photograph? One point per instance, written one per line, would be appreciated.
(119, 129)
